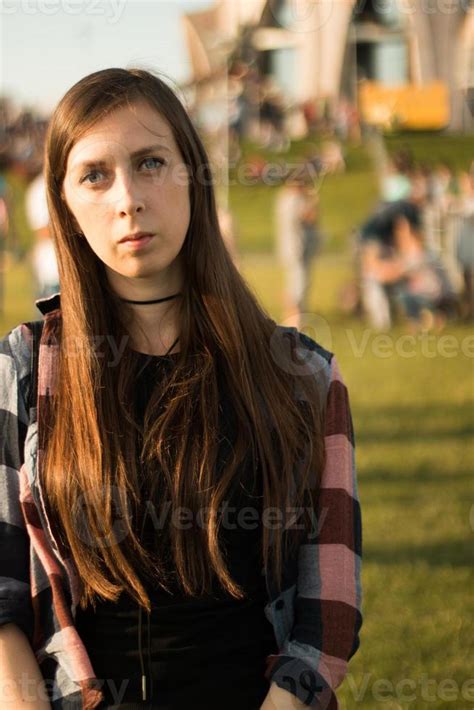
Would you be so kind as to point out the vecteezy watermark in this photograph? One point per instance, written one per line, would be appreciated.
(308, 682)
(303, 359)
(103, 346)
(290, 351)
(410, 7)
(233, 518)
(384, 345)
(111, 532)
(246, 518)
(274, 173)
(306, 16)
(363, 342)
(409, 690)
(32, 691)
(110, 9)
(108, 184)
(301, 16)
(73, 345)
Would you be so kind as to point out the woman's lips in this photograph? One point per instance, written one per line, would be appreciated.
(138, 243)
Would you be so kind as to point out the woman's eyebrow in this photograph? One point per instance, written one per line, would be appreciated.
(98, 163)
(148, 149)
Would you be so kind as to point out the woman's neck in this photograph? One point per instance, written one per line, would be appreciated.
(154, 327)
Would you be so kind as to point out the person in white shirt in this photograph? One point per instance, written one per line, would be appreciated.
(43, 255)
(297, 241)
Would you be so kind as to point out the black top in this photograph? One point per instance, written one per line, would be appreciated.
(206, 653)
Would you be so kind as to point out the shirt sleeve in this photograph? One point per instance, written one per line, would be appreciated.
(313, 661)
(15, 596)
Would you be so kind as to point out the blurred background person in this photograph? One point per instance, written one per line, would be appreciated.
(3, 235)
(396, 180)
(415, 276)
(465, 242)
(374, 247)
(298, 239)
(272, 117)
(43, 256)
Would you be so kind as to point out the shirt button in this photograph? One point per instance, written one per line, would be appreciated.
(280, 604)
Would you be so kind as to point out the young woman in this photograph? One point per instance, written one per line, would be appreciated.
(179, 517)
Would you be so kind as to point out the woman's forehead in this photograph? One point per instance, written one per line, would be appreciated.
(123, 130)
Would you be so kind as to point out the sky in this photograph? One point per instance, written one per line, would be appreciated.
(48, 45)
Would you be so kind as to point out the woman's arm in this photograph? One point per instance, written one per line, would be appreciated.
(313, 660)
(21, 681)
(384, 270)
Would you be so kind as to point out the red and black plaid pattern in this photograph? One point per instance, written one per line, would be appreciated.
(316, 617)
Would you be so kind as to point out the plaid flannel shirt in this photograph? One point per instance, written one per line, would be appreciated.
(316, 616)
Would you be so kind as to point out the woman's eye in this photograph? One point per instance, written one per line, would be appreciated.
(151, 163)
(91, 177)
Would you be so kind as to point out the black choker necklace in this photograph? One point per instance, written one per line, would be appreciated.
(158, 300)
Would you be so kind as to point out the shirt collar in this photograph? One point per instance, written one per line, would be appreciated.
(48, 304)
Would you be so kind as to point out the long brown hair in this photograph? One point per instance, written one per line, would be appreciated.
(92, 454)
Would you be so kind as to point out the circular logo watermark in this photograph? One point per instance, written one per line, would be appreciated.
(295, 355)
(113, 532)
(301, 16)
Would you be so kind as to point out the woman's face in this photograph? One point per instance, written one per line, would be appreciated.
(124, 176)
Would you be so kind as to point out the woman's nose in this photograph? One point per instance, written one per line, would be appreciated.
(130, 199)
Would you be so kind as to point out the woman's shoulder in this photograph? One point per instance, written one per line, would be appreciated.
(301, 355)
(15, 347)
(15, 370)
(302, 340)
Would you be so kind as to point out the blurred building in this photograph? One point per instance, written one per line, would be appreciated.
(399, 51)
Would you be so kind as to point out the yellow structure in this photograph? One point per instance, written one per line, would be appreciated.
(409, 106)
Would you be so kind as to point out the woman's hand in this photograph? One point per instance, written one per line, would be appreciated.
(279, 699)
(21, 682)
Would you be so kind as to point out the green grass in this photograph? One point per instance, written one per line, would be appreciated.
(345, 199)
(20, 236)
(432, 147)
(18, 301)
(413, 418)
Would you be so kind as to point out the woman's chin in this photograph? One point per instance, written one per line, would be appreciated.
(137, 271)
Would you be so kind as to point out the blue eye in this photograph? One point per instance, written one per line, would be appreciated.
(153, 162)
(89, 175)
